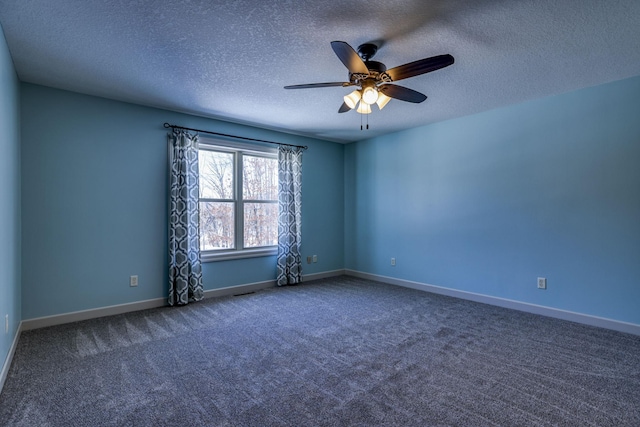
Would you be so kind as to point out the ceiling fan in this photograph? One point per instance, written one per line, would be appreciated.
(373, 79)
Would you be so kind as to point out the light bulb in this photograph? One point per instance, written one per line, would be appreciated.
(370, 95)
(352, 99)
(382, 100)
(364, 108)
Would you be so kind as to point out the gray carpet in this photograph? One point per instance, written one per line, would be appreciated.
(336, 352)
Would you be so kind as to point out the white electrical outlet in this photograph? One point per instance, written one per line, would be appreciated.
(6, 323)
(542, 283)
(133, 281)
(315, 258)
(393, 261)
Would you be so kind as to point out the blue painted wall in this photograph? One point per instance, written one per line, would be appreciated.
(94, 203)
(9, 200)
(487, 203)
(484, 204)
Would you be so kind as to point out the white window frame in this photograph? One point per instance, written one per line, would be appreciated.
(239, 149)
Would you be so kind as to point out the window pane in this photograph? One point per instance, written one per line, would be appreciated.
(260, 224)
(216, 225)
(216, 174)
(259, 178)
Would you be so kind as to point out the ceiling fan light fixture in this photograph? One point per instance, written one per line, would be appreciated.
(364, 108)
(382, 100)
(352, 99)
(370, 95)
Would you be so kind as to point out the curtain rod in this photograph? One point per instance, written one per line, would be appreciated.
(167, 125)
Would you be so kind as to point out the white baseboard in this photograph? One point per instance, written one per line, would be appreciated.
(7, 363)
(616, 325)
(76, 316)
(324, 275)
(239, 289)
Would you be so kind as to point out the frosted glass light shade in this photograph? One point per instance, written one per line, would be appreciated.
(364, 108)
(382, 100)
(370, 95)
(352, 99)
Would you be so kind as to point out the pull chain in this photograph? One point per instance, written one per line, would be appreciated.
(361, 126)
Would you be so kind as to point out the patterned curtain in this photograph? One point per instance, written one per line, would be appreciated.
(289, 215)
(185, 271)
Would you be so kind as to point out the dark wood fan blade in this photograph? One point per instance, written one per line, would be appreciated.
(420, 66)
(312, 85)
(402, 93)
(349, 57)
(344, 108)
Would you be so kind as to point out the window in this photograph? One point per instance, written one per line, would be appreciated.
(238, 201)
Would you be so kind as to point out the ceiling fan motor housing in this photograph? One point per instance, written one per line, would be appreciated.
(376, 73)
(376, 66)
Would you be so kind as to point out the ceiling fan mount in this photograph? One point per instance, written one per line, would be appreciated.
(373, 78)
(367, 51)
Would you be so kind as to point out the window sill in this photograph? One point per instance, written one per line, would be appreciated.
(214, 256)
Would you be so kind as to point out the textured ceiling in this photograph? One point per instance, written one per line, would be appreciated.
(230, 59)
